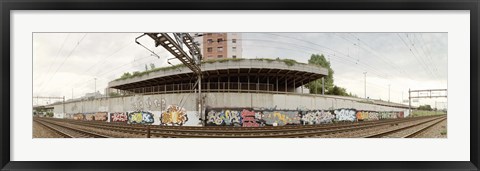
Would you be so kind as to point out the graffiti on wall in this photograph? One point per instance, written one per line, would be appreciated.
(101, 116)
(118, 117)
(281, 118)
(174, 115)
(140, 117)
(317, 117)
(139, 104)
(345, 115)
(250, 118)
(224, 117)
(89, 117)
(79, 116)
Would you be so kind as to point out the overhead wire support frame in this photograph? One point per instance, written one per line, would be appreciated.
(176, 50)
(169, 44)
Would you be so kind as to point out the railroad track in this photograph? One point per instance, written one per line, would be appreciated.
(415, 133)
(242, 132)
(67, 131)
(408, 131)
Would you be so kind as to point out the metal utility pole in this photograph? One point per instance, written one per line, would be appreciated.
(64, 106)
(428, 93)
(95, 92)
(323, 85)
(409, 103)
(365, 83)
(389, 93)
(49, 98)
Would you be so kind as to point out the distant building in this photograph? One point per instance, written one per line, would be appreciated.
(220, 45)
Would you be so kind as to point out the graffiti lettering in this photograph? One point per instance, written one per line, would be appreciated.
(345, 115)
(248, 118)
(224, 117)
(140, 118)
(101, 116)
(118, 117)
(79, 116)
(174, 115)
(317, 117)
(282, 118)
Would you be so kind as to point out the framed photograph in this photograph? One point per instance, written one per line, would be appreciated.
(200, 85)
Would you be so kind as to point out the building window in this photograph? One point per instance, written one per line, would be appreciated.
(210, 41)
(234, 56)
(220, 40)
(209, 49)
(220, 56)
(234, 40)
(234, 48)
(209, 34)
(220, 49)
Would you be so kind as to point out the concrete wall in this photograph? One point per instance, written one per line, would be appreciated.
(180, 109)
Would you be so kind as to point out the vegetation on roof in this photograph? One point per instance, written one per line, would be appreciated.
(127, 75)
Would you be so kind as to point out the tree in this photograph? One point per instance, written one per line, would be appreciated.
(152, 66)
(126, 75)
(425, 107)
(316, 86)
(320, 60)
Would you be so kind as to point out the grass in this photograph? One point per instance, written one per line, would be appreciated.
(444, 132)
(288, 62)
(427, 113)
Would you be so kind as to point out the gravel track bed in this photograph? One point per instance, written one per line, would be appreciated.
(435, 131)
(101, 131)
(40, 131)
(358, 133)
(67, 131)
(409, 131)
(399, 126)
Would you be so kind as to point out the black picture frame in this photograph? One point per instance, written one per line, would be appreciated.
(5, 102)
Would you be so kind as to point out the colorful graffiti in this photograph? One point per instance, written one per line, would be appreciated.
(140, 117)
(281, 118)
(79, 116)
(118, 117)
(89, 116)
(224, 117)
(345, 115)
(373, 116)
(249, 118)
(367, 115)
(101, 116)
(317, 117)
(174, 115)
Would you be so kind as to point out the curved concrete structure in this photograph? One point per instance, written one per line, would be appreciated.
(273, 74)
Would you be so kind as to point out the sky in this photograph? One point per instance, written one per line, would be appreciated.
(72, 64)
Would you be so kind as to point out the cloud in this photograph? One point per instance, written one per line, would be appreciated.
(403, 60)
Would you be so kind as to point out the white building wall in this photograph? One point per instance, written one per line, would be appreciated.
(234, 47)
(160, 102)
